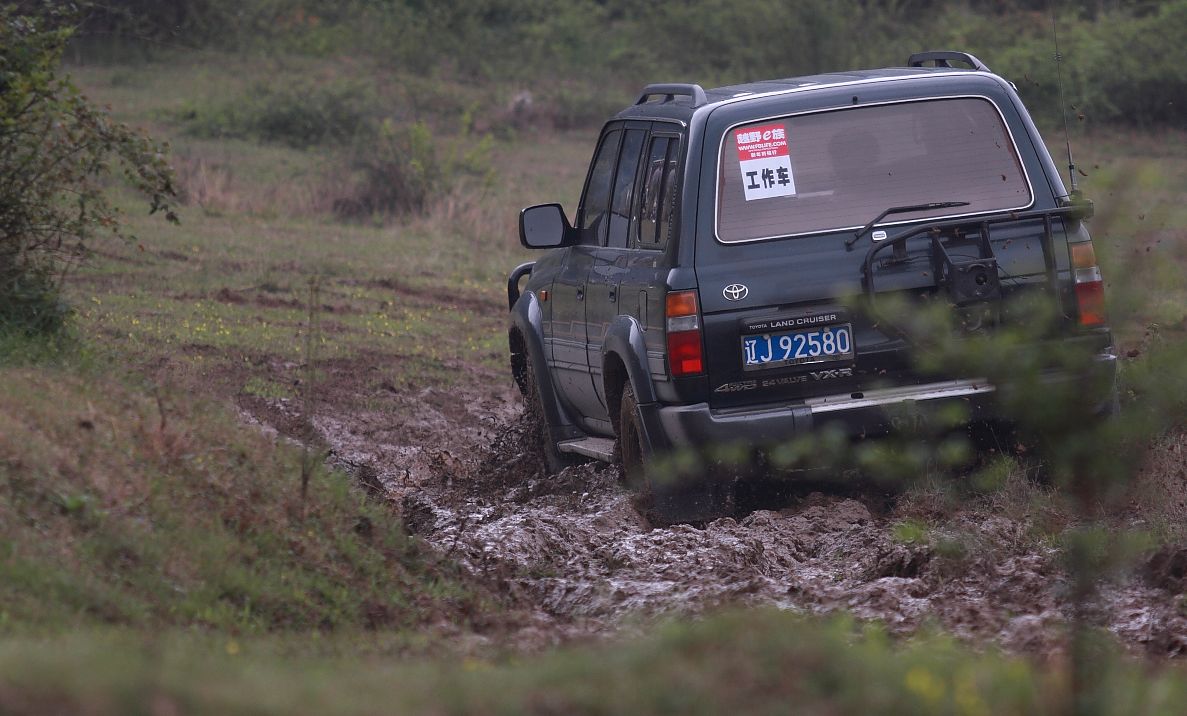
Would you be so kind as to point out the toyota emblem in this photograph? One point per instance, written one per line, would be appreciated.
(735, 292)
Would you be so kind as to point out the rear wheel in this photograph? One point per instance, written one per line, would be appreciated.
(539, 436)
(679, 498)
(630, 445)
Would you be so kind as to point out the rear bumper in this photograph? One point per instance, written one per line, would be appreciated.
(871, 413)
(874, 412)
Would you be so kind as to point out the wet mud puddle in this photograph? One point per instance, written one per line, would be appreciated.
(573, 548)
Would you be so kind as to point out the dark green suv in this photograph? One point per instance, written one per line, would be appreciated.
(703, 292)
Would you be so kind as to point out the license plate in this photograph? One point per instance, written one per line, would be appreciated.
(818, 345)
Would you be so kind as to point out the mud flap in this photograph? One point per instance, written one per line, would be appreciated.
(689, 502)
(692, 498)
(654, 439)
(675, 496)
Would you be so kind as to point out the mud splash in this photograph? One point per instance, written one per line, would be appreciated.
(572, 550)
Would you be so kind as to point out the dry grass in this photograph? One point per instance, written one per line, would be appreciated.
(1159, 496)
(206, 184)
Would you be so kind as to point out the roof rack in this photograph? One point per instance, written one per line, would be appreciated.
(945, 58)
(670, 91)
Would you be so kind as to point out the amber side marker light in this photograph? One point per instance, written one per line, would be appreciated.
(683, 323)
(1090, 285)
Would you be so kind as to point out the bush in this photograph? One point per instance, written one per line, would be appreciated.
(1120, 56)
(56, 152)
(1117, 67)
(302, 25)
(567, 106)
(300, 114)
(751, 39)
(400, 170)
(30, 302)
(154, 20)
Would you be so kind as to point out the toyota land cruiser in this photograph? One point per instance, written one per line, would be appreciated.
(700, 294)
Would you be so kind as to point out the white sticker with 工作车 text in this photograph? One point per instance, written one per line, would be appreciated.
(765, 161)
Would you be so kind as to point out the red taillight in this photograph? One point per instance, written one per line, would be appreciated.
(683, 324)
(684, 353)
(1091, 297)
(1090, 286)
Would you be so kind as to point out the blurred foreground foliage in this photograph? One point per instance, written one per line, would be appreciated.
(760, 661)
(1056, 421)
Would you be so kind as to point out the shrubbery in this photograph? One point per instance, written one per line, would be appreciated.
(378, 166)
(1120, 56)
(56, 153)
(400, 170)
(1119, 65)
(300, 114)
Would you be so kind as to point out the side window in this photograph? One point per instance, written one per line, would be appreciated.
(595, 206)
(659, 192)
(624, 188)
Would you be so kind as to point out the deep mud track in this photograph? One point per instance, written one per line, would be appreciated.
(573, 552)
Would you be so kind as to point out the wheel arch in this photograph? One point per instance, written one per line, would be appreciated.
(624, 358)
(525, 340)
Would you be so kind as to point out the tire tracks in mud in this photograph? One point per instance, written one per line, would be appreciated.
(572, 550)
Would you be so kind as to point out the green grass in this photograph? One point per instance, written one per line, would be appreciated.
(154, 509)
(232, 281)
(910, 532)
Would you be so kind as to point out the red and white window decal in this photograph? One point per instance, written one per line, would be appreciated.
(766, 162)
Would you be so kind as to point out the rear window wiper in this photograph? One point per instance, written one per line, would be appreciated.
(900, 210)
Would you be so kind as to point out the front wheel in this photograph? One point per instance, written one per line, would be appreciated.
(539, 435)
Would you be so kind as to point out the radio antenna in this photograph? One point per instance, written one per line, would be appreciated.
(1071, 164)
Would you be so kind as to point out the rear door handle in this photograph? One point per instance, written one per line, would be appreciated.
(580, 294)
(613, 296)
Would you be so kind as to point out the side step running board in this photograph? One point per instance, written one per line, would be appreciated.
(597, 448)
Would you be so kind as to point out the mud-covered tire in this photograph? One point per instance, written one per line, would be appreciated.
(551, 459)
(630, 446)
(683, 500)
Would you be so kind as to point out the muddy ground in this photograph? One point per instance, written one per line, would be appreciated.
(572, 554)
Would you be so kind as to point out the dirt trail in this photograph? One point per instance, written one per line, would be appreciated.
(572, 549)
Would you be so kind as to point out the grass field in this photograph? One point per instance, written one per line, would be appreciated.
(156, 556)
(235, 276)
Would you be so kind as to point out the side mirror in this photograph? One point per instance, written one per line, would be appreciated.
(544, 226)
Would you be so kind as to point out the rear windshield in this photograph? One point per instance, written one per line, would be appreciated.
(835, 170)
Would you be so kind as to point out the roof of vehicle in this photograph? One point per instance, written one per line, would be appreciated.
(682, 106)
